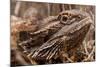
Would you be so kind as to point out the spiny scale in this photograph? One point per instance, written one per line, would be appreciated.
(48, 51)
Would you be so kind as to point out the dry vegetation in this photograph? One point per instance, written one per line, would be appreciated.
(29, 17)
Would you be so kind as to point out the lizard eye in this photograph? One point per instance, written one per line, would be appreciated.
(64, 18)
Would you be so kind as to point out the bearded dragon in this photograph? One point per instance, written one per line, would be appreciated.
(75, 25)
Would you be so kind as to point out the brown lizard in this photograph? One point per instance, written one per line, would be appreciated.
(69, 36)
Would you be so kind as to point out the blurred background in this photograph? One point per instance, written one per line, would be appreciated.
(46, 9)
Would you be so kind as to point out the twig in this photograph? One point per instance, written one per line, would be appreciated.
(63, 7)
(48, 7)
(17, 7)
(69, 7)
(85, 48)
(90, 54)
(65, 55)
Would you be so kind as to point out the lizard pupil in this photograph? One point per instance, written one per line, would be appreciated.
(64, 18)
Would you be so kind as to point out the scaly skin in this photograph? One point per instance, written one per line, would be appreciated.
(63, 38)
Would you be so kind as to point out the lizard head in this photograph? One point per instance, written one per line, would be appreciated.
(77, 26)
